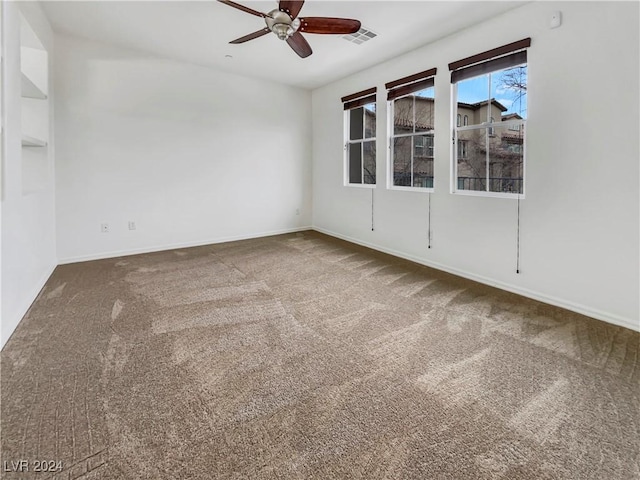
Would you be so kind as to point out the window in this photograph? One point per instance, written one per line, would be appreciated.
(458, 123)
(490, 148)
(360, 138)
(466, 120)
(462, 149)
(411, 135)
(423, 146)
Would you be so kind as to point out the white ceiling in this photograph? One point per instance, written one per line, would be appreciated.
(199, 31)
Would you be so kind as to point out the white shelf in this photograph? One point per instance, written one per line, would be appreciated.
(30, 90)
(28, 141)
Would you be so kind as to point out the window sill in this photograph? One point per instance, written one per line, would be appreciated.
(478, 193)
(411, 189)
(360, 185)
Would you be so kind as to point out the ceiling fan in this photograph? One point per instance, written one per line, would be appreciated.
(284, 22)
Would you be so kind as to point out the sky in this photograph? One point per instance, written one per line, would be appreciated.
(477, 89)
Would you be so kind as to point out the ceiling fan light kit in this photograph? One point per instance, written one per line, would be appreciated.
(284, 23)
(281, 24)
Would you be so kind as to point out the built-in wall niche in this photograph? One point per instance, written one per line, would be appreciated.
(34, 70)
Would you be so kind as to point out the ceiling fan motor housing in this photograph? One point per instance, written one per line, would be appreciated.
(281, 24)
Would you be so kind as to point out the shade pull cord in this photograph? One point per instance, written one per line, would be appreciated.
(429, 223)
(518, 238)
(372, 209)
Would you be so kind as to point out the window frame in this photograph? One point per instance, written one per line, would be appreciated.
(487, 57)
(347, 142)
(390, 138)
(487, 193)
(487, 126)
(397, 90)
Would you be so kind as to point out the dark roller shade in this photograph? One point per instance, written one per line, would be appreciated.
(412, 83)
(410, 88)
(411, 78)
(489, 54)
(489, 66)
(359, 99)
(359, 102)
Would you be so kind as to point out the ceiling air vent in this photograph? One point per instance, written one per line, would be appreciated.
(361, 36)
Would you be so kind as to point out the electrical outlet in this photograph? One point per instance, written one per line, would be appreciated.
(104, 228)
(132, 225)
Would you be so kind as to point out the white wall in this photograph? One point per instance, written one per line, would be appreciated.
(28, 225)
(580, 219)
(192, 155)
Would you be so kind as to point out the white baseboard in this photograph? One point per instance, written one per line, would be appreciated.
(160, 248)
(558, 302)
(32, 297)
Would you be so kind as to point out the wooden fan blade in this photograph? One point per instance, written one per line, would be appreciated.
(243, 8)
(299, 45)
(291, 7)
(328, 25)
(251, 36)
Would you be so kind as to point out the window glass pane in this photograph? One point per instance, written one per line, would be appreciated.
(370, 120)
(423, 180)
(423, 161)
(418, 146)
(505, 161)
(403, 115)
(472, 100)
(424, 106)
(509, 88)
(423, 146)
(369, 161)
(402, 161)
(355, 162)
(463, 148)
(355, 123)
(491, 130)
(429, 144)
(472, 169)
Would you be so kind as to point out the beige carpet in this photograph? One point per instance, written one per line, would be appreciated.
(301, 356)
